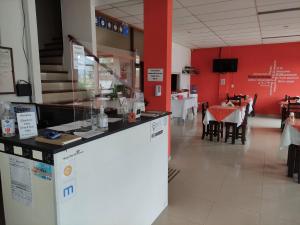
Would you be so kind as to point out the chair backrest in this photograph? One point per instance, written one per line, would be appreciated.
(286, 97)
(245, 121)
(295, 108)
(204, 108)
(293, 98)
(241, 96)
(254, 101)
(236, 99)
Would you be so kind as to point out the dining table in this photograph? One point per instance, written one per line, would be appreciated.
(232, 114)
(181, 107)
(290, 134)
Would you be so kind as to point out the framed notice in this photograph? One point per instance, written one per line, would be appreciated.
(155, 74)
(7, 76)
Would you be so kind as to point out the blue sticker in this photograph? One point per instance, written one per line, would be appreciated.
(42, 170)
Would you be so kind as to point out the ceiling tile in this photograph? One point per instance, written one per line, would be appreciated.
(185, 20)
(187, 3)
(222, 6)
(239, 20)
(137, 9)
(114, 12)
(131, 19)
(227, 14)
(181, 13)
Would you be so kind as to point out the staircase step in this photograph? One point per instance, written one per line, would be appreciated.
(57, 38)
(62, 97)
(53, 46)
(51, 52)
(60, 86)
(53, 68)
(51, 60)
(53, 76)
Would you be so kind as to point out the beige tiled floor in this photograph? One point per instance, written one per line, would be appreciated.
(224, 184)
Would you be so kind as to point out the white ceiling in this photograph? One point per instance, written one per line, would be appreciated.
(216, 23)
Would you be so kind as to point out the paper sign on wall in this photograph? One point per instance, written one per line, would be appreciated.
(155, 74)
(27, 125)
(78, 57)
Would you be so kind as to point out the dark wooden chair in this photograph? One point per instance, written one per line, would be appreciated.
(235, 132)
(242, 129)
(293, 107)
(253, 105)
(235, 99)
(230, 131)
(204, 108)
(241, 96)
(215, 129)
(293, 161)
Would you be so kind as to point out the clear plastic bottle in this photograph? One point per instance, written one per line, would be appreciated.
(8, 122)
(103, 119)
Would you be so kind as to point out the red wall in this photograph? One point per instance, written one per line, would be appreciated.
(255, 61)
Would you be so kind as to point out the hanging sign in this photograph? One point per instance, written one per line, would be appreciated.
(155, 74)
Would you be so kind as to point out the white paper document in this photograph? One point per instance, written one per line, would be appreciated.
(21, 187)
(71, 126)
(88, 134)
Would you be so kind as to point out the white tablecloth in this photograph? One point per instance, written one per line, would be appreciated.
(180, 107)
(290, 135)
(235, 117)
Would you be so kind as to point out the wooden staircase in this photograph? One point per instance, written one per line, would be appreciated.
(56, 85)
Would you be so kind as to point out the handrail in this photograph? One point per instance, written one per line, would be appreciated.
(90, 53)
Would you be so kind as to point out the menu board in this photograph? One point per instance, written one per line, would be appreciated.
(7, 78)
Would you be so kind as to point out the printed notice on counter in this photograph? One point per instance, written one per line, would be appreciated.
(155, 74)
(156, 127)
(27, 125)
(78, 57)
(20, 175)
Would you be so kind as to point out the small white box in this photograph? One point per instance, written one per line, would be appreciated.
(2, 147)
(18, 150)
(37, 155)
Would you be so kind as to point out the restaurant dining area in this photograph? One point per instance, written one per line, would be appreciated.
(150, 112)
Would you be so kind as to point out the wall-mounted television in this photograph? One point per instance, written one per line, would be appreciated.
(225, 65)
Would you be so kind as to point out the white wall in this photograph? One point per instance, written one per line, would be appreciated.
(181, 57)
(78, 20)
(11, 31)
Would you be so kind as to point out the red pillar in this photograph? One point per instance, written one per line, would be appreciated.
(158, 52)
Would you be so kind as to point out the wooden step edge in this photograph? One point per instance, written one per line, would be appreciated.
(51, 64)
(51, 49)
(51, 56)
(59, 81)
(64, 91)
(54, 43)
(54, 71)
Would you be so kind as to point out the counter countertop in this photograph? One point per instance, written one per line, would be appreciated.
(53, 149)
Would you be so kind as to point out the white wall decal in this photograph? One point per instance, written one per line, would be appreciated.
(276, 74)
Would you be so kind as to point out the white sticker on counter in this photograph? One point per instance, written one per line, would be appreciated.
(18, 150)
(20, 175)
(156, 128)
(37, 155)
(2, 147)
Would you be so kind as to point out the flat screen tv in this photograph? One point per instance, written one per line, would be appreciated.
(225, 65)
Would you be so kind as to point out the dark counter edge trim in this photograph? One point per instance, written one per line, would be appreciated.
(54, 149)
